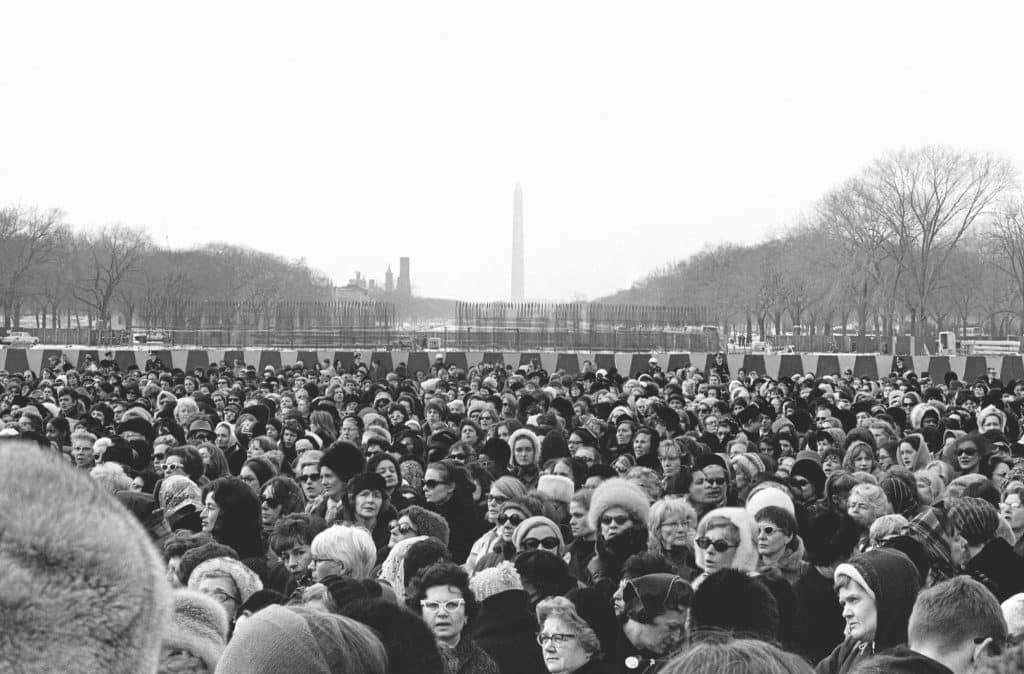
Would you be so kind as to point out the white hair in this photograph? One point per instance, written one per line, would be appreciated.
(352, 546)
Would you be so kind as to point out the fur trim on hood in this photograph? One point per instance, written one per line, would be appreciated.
(746, 553)
(918, 411)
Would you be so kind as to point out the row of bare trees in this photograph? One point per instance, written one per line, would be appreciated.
(67, 278)
(920, 241)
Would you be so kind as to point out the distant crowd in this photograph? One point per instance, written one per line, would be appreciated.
(502, 519)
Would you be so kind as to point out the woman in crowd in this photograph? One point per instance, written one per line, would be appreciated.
(569, 645)
(525, 460)
(501, 491)
(671, 524)
(441, 595)
(618, 513)
(449, 492)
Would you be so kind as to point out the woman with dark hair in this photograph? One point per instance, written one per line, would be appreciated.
(440, 594)
(366, 505)
(231, 512)
(449, 492)
(387, 466)
(280, 496)
(967, 453)
(191, 462)
(470, 432)
(58, 432)
(214, 462)
(256, 472)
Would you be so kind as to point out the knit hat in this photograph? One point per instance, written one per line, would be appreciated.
(245, 580)
(976, 519)
(531, 523)
(367, 481)
(427, 523)
(498, 450)
(87, 573)
(902, 497)
(495, 580)
(769, 495)
(648, 597)
(296, 639)
(198, 625)
(344, 459)
(177, 492)
(556, 487)
(1013, 611)
(749, 464)
(617, 492)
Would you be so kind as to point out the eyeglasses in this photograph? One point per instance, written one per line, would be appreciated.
(450, 606)
(168, 467)
(618, 519)
(721, 545)
(403, 528)
(768, 530)
(575, 443)
(313, 477)
(715, 481)
(516, 520)
(549, 543)
(556, 639)
(496, 498)
(270, 502)
(431, 484)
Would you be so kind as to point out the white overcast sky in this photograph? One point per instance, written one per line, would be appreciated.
(351, 134)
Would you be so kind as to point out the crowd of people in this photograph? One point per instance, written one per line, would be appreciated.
(507, 519)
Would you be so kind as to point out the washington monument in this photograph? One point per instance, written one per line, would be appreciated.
(518, 285)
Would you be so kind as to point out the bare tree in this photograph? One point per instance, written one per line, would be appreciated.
(29, 239)
(112, 255)
(1005, 246)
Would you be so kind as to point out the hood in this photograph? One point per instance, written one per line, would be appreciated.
(504, 614)
(892, 578)
(746, 553)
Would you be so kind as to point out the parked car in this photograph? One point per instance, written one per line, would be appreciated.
(19, 338)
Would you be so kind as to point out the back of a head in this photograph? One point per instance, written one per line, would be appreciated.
(295, 639)
(959, 609)
(423, 554)
(410, 644)
(86, 575)
(735, 656)
(733, 602)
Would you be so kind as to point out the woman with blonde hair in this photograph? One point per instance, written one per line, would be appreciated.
(671, 526)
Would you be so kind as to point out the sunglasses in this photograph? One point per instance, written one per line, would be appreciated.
(496, 498)
(618, 519)
(516, 520)
(314, 477)
(768, 530)
(403, 528)
(457, 457)
(721, 545)
(549, 543)
(168, 467)
(966, 451)
(431, 484)
(719, 481)
(270, 502)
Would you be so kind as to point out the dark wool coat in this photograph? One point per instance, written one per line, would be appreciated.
(507, 629)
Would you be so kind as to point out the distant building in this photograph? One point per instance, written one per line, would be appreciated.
(389, 281)
(404, 287)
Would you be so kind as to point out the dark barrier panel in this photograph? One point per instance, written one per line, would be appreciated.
(458, 359)
(125, 359)
(345, 360)
(308, 358)
(828, 365)
(790, 364)
(419, 361)
(638, 364)
(47, 353)
(938, 366)
(568, 363)
(386, 364)
(17, 360)
(678, 360)
(977, 366)
(87, 352)
(197, 359)
(525, 358)
(165, 357)
(271, 358)
(1012, 369)
(900, 364)
(235, 354)
(494, 358)
(865, 366)
(754, 363)
(604, 361)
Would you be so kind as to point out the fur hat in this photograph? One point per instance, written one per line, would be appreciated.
(617, 492)
(105, 605)
(733, 601)
(495, 580)
(769, 496)
(427, 523)
(198, 625)
(918, 411)
(344, 459)
(811, 470)
(245, 579)
(556, 487)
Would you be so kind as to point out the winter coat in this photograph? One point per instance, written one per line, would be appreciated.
(463, 524)
(468, 658)
(902, 660)
(790, 566)
(820, 623)
(580, 552)
(895, 583)
(998, 568)
(605, 569)
(506, 629)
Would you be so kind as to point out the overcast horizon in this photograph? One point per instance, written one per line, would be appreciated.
(351, 135)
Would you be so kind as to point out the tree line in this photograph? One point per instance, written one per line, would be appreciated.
(920, 241)
(64, 277)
